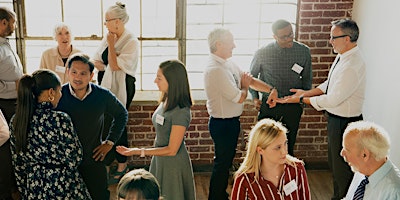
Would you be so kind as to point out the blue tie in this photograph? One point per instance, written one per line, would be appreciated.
(359, 194)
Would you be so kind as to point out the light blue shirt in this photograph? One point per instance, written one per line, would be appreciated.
(384, 184)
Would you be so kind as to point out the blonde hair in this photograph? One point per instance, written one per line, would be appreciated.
(262, 135)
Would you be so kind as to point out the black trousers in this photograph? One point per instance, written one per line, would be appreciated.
(341, 171)
(7, 177)
(288, 114)
(123, 140)
(95, 178)
(225, 133)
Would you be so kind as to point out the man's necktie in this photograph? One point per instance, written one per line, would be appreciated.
(329, 79)
(359, 194)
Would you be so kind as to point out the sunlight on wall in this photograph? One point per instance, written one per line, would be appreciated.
(378, 41)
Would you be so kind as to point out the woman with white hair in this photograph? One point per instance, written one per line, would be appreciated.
(116, 60)
(268, 171)
(56, 57)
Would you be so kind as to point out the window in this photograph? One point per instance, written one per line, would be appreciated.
(165, 28)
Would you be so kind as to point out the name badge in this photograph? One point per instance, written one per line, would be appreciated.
(159, 119)
(60, 69)
(297, 68)
(290, 187)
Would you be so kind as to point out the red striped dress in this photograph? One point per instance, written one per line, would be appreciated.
(245, 187)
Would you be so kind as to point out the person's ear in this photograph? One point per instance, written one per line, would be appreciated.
(366, 154)
(259, 150)
(4, 22)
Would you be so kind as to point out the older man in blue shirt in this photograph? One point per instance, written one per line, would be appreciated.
(365, 148)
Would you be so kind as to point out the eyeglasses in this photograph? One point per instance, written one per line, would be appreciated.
(108, 20)
(285, 37)
(339, 36)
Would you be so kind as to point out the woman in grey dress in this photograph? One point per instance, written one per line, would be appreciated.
(171, 163)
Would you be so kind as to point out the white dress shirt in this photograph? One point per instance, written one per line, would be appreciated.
(222, 87)
(345, 95)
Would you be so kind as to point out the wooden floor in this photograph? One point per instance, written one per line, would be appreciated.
(320, 185)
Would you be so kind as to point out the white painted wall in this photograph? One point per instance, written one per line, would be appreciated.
(380, 42)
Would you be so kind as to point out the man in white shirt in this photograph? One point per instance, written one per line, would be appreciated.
(10, 73)
(365, 148)
(226, 87)
(341, 96)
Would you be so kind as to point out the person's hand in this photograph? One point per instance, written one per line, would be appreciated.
(127, 151)
(257, 103)
(273, 96)
(99, 65)
(100, 152)
(246, 80)
(289, 99)
(297, 92)
(111, 39)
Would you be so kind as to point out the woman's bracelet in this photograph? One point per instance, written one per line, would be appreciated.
(142, 155)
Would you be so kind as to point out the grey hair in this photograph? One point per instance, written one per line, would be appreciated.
(216, 35)
(348, 27)
(370, 136)
(60, 26)
(119, 11)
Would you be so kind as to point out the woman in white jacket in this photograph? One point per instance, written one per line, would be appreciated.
(116, 60)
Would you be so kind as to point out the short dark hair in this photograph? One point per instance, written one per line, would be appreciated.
(348, 27)
(80, 57)
(139, 183)
(7, 14)
(279, 24)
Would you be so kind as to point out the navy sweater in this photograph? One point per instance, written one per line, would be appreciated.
(88, 117)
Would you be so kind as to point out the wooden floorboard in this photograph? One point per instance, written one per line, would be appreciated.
(320, 185)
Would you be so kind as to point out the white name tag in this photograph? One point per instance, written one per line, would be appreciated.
(290, 187)
(159, 119)
(60, 69)
(297, 68)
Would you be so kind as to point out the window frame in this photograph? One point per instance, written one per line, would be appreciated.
(180, 37)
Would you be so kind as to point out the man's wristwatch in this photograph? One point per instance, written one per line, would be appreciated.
(109, 142)
(301, 101)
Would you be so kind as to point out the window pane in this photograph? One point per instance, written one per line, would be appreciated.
(273, 12)
(84, 17)
(153, 53)
(41, 16)
(158, 18)
(249, 24)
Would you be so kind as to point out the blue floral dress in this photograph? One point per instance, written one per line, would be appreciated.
(49, 167)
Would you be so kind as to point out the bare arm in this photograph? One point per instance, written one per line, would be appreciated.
(175, 141)
(259, 85)
(246, 80)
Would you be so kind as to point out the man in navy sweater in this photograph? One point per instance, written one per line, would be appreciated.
(86, 104)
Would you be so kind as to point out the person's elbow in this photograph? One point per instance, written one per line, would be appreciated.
(171, 151)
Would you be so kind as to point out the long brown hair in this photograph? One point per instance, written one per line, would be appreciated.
(178, 85)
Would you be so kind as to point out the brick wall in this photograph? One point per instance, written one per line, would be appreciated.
(314, 30)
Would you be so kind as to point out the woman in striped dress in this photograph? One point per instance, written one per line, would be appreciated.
(268, 171)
